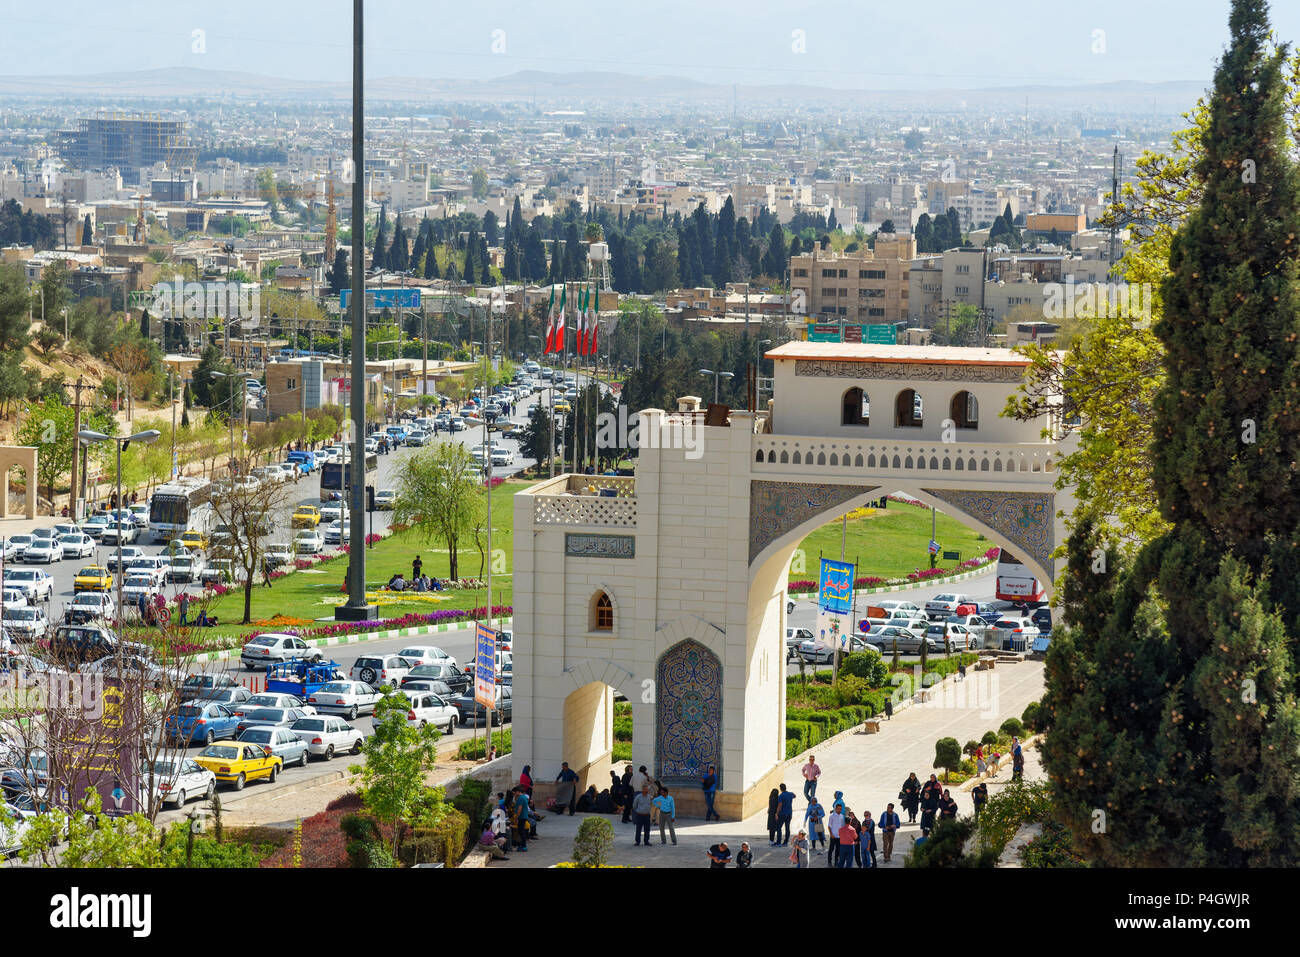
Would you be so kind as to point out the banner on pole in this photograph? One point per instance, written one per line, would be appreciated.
(485, 666)
(835, 590)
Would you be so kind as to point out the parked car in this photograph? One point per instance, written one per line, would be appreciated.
(14, 546)
(1014, 632)
(175, 781)
(44, 550)
(239, 762)
(952, 635)
(886, 637)
(416, 438)
(197, 721)
(95, 525)
(278, 554)
(326, 736)
(306, 516)
(334, 512)
(459, 681)
(233, 698)
(35, 585)
(200, 685)
(135, 585)
(794, 637)
(136, 667)
(337, 533)
(268, 717)
(82, 643)
(426, 655)
(273, 648)
(129, 554)
(284, 744)
(900, 609)
(11, 597)
(186, 569)
(25, 622)
(221, 571)
(815, 652)
(427, 708)
(349, 698)
(194, 540)
(308, 542)
(1042, 617)
(440, 688)
(384, 499)
(944, 606)
(124, 530)
(89, 606)
(471, 712)
(274, 699)
(376, 670)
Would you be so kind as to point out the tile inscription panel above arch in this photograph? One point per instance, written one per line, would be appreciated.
(777, 507)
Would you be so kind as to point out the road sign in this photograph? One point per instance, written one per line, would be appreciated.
(882, 334)
(485, 666)
(934, 547)
(385, 298)
(835, 590)
(952, 556)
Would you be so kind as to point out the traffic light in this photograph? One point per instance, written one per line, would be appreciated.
(370, 498)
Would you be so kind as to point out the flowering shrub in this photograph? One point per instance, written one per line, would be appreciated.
(863, 581)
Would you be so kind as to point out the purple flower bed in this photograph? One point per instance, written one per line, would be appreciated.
(414, 619)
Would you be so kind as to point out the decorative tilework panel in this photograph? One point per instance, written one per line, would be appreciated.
(688, 713)
(777, 507)
(1027, 519)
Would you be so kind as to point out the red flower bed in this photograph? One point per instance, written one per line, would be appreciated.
(323, 842)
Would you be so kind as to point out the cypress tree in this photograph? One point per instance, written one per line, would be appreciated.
(431, 261)
(490, 226)
(87, 234)
(484, 262)
(1172, 699)
(379, 255)
(398, 257)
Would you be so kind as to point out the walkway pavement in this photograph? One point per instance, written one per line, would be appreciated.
(868, 768)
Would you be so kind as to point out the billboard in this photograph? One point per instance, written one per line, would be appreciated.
(485, 665)
(884, 334)
(385, 298)
(835, 587)
(93, 743)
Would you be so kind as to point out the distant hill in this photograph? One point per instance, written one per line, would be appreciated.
(590, 87)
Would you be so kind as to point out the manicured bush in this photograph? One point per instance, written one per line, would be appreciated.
(594, 841)
(472, 801)
(1013, 727)
(1032, 716)
(867, 665)
(365, 842)
(990, 737)
(622, 751)
(947, 755)
(944, 847)
(447, 841)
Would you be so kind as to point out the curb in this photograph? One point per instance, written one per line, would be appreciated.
(962, 576)
(363, 637)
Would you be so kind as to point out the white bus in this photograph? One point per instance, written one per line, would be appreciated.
(1016, 582)
(179, 506)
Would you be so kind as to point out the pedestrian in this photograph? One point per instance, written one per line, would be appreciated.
(980, 796)
(785, 812)
(931, 795)
(910, 796)
(710, 787)
(857, 841)
(526, 780)
(625, 788)
(773, 809)
(183, 605)
(521, 818)
(811, 772)
(416, 565)
(641, 777)
(947, 806)
(745, 859)
(889, 708)
(568, 776)
(814, 817)
(1017, 760)
(961, 672)
(799, 850)
(667, 815)
(719, 855)
(834, 822)
(867, 835)
(889, 823)
(615, 790)
(847, 843)
(642, 805)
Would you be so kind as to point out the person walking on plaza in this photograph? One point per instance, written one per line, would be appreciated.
(569, 776)
(799, 850)
(811, 772)
(947, 806)
(814, 817)
(784, 814)
(642, 804)
(980, 796)
(889, 823)
(867, 836)
(1017, 760)
(745, 859)
(889, 709)
(847, 843)
(710, 788)
(931, 795)
(834, 822)
(667, 815)
(625, 788)
(910, 796)
(773, 809)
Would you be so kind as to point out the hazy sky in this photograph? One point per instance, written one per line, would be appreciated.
(862, 44)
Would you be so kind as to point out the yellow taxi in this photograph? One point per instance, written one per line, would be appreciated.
(306, 516)
(563, 406)
(237, 762)
(92, 578)
(193, 539)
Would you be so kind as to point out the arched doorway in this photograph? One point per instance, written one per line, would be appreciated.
(589, 733)
(688, 713)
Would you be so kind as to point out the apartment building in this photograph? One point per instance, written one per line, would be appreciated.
(862, 286)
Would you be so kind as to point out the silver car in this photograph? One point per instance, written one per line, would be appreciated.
(349, 698)
(284, 744)
(272, 649)
(380, 670)
(175, 781)
(326, 736)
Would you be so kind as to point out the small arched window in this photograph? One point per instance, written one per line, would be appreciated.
(908, 411)
(965, 410)
(856, 408)
(602, 613)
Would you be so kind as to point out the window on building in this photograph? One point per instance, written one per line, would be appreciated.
(602, 613)
(801, 272)
(875, 312)
(292, 384)
(844, 274)
(856, 408)
(964, 410)
(908, 411)
(828, 273)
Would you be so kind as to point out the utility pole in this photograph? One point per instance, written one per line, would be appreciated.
(424, 354)
(76, 428)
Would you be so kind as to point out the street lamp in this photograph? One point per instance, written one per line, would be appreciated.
(717, 377)
(147, 437)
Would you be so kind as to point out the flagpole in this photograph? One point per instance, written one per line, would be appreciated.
(550, 452)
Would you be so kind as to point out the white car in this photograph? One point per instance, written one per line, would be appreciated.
(44, 550)
(175, 781)
(942, 606)
(272, 699)
(35, 585)
(384, 499)
(126, 531)
(186, 569)
(337, 533)
(140, 514)
(308, 542)
(12, 597)
(14, 546)
(349, 698)
(426, 655)
(129, 554)
(900, 609)
(78, 545)
(326, 736)
(334, 512)
(155, 565)
(135, 585)
(429, 709)
(270, 473)
(277, 554)
(273, 648)
(379, 670)
(88, 606)
(15, 822)
(25, 623)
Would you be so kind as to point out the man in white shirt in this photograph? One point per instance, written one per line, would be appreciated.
(833, 824)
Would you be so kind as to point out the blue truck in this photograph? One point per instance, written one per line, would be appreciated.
(306, 461)
(302, 678)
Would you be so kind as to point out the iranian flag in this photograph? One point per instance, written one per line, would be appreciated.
(592, 310)
(582, 323)
(550, 324)
(561, 343)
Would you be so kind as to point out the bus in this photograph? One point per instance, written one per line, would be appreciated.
(331, 475)
(179, 506)
(1016, 582)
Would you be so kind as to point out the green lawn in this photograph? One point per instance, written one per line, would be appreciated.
(888, 543)
(312, 593)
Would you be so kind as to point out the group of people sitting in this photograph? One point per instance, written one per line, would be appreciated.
(419, 583)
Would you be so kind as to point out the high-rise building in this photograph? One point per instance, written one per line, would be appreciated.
(127, 143)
